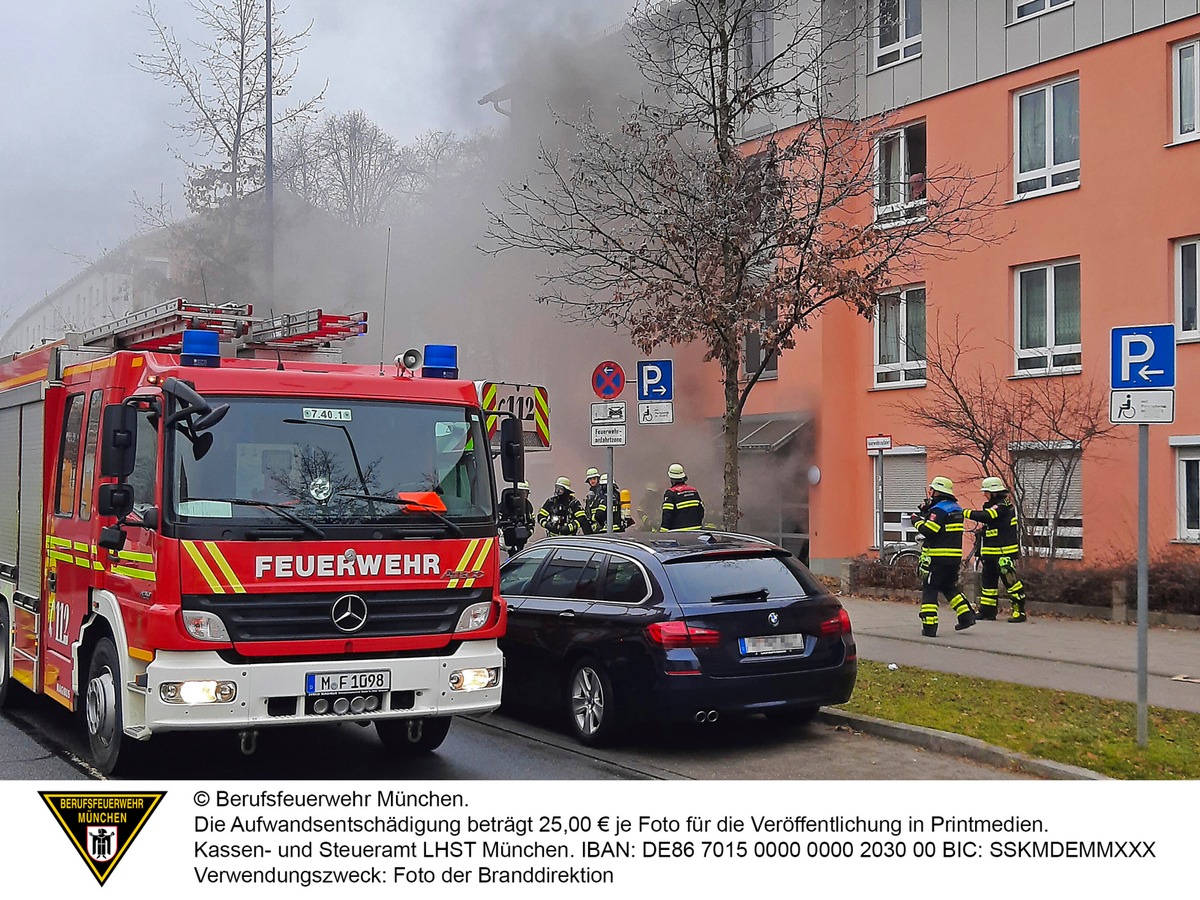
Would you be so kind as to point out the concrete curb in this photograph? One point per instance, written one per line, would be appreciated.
(959, 745)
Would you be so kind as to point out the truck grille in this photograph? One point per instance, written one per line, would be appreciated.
(306, 617)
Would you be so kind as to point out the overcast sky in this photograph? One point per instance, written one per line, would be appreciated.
(83, 130)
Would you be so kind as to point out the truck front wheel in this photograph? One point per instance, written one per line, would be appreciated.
(410, 737)
(110, 748)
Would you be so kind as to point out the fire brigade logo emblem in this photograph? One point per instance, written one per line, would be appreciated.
(349, 613)
(102, 826)
(320, 489)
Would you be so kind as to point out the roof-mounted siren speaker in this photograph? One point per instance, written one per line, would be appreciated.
(410, 359)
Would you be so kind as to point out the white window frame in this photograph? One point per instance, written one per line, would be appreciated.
(908, 46)
(1039, 7)
(1185, 455)
(1035, 531)
(905, 366)
(1187, 285)
(1191, 46)
(1050, 350)
(1050, 170)
(909, 209)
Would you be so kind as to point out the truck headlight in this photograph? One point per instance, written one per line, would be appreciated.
(474, 679)
(195, 692)
(205, 626)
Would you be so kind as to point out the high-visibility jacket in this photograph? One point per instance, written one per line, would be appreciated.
(943, 530)
(596, 509)
(999, 519)
(682, 508)
(562, 514)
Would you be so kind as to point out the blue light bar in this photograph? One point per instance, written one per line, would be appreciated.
(201, 348)
(441, 361)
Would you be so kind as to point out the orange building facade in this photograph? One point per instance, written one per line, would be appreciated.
(1091, 110)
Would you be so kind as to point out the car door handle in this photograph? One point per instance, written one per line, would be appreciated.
(566, 614)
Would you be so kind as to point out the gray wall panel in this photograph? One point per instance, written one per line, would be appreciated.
(907, 85)
(880, 90)
(1089, 24)
(1022, 44)
(1056, 35)
(935, 47)
(1147, 14)
(989, 39)
(962, 36)
(1118, 19)
(1177, 9)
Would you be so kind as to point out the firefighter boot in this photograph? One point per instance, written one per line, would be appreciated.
(929, 629)
(987, 612)
(1018, 612)
(966, 619)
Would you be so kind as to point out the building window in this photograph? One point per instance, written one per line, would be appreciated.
(1049, 494)
(1023, 9)
(900, 174)
(1187, 89)
(753, 357)
(757, 41)
(904, 488)
(1047, 135)
(900, 337)
(899, 33)
(1188, 478)
(1047, 318)
(1187, 288)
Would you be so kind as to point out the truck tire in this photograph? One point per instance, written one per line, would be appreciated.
(5, 652)
(103, 710)
(412, 737)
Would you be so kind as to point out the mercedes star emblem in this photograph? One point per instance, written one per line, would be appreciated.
(349, 613)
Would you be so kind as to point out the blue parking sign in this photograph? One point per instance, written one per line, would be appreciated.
(655, 381)
(1143, 356)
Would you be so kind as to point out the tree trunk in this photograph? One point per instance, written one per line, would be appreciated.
(729, 506)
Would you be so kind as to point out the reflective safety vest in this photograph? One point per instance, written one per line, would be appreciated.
(943, 530)
(999, 519)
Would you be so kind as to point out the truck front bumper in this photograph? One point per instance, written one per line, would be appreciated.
(274, 693)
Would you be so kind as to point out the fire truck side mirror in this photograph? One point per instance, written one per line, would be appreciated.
(118, 441)
(512, 450)
(115, 500)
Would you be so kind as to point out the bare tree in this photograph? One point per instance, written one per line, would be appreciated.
(1032, 433)
(677, 229)
(221, 82)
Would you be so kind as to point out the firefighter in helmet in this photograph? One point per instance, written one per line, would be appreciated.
(940, 520)
(682, 508)
(562, 513)
(593, 499)
(598, 512)
(1000, 546)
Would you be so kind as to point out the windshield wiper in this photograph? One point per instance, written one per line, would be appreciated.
(407, 504)
(280, 510)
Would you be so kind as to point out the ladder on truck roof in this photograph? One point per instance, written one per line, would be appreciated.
(161, 327)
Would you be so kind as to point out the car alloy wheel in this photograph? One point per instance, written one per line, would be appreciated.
(591, 704)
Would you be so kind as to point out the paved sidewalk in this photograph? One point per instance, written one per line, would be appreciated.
(1085, 656)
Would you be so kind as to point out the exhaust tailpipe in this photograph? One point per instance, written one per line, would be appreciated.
(706, 716)
(712, 716)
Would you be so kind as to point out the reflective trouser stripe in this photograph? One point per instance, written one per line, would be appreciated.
(929, 613)
(959, 604)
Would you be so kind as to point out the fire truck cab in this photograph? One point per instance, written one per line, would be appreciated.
(208, 521)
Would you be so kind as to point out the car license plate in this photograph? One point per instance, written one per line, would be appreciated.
(348, 682)
(771, 643)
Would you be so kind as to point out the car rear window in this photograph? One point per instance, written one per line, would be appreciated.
(706, 577)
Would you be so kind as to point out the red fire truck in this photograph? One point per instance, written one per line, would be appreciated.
(208, 521)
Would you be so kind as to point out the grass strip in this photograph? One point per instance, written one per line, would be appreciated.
(1077, 729)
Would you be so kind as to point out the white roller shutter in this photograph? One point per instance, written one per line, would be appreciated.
(904, 481)
(10, 480)
(30, 550)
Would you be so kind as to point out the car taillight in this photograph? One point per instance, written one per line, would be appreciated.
(674, 635)
(839, 624)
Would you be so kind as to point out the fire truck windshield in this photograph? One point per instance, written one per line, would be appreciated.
(336, 461)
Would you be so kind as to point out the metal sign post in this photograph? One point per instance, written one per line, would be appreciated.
(1143, 381)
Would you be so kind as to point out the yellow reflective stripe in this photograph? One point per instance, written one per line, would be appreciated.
(83, 561)
(944, 551)
(954, 526)
(686, 504)
(463, 562)
(483, 554)
(202, 565)
(52, 541)
(82, 548)
(135, 556)
(61, 557)
(220, 560)
(932, 526)
(668, 506)
(131, 572)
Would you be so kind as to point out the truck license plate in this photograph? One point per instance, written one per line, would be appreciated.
(348, 682)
